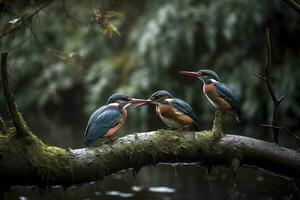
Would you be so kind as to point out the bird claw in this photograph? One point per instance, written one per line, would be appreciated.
(110, 140)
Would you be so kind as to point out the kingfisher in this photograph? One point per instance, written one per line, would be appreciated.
(175, 113)
(108, 119)
(218, 94)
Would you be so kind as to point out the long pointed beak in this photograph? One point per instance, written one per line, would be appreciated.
(136, 101)
(146, 102)
(140, 102)
(190, 74)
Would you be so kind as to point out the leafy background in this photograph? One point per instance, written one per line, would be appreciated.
(64, 61)
(67, 59)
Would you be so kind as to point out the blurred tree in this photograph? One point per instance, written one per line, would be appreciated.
(68, 59)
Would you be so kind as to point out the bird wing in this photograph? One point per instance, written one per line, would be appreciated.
(228, 95)
(100, 122)
(184, 107)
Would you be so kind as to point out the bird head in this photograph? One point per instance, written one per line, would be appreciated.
(206, 75)
(121, 101)
(157, 98)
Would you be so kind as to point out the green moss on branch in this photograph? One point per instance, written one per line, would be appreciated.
(29, 161)
(17, 118)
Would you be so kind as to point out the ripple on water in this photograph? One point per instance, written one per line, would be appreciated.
(136, 188)
(120, 194)
(162, 189)
(97, 193)
(23, 198)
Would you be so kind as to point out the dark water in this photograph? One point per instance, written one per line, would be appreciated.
(169, 182)
(166, 182)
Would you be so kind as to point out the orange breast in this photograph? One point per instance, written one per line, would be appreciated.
(167, 111)
(217, 100)
(114, 129)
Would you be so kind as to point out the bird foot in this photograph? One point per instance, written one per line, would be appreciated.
(110, 139)
(113, 138)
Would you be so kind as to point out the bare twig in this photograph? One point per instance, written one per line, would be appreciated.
(293, 4)
(282, 128)
(17, 118)
(276, 101)
(268, 67)
(24, 19)
(271, 126)
(282, 98)
(293, 134)
(260, 76)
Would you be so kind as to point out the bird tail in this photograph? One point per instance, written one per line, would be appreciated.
(87, 142)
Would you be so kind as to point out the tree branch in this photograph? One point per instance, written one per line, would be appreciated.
(17, 118)
(11, 27)
(293, 4)
(266, 77)
(268, 67)
(34, 163)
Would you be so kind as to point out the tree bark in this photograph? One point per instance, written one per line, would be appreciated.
(27, 161)
(17, 119)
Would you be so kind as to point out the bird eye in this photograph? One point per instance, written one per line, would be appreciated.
(154, 97)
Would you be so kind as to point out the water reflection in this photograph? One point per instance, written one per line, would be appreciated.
(119, 194)
(168, 182)
(161, 189)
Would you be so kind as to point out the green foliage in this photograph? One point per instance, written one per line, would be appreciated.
(105, 21)
(156, 39)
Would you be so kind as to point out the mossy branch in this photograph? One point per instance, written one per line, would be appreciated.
(17, 119)
(30, 162)
(217, 125)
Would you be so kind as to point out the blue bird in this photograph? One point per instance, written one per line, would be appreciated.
(218, 94)
(108, 119)
(174, 112)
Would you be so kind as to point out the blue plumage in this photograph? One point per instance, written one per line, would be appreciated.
(184, 107)
(211, 78)
(162, 97)
(100, 122)
(229, 96)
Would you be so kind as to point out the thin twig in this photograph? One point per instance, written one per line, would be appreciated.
(268, 67)
(291, 133)
(282, 98)
(17, 118)
(24, 18)
(276, 102)
(293, 4)
(266, 77)
(271, 126)
(260, 76)
(283, 128)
